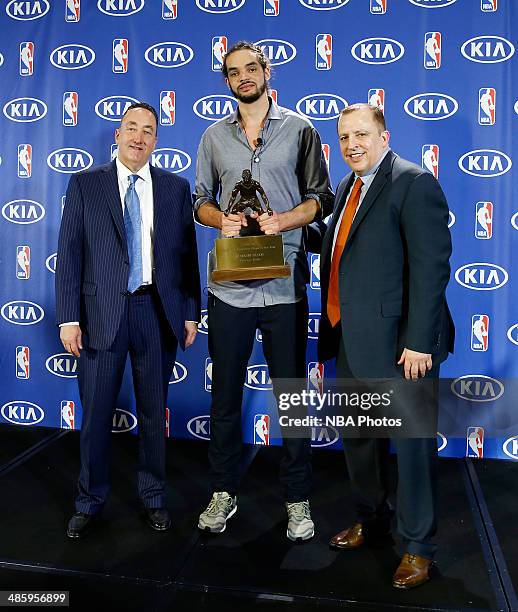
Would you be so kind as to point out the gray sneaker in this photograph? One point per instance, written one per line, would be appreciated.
(221, 507)
(300, 525)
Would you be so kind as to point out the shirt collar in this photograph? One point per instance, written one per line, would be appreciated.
(368, 177)
(274, 112)
(123, 172)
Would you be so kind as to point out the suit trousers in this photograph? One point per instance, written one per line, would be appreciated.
(416, 498)
(145, 334)
(284, 330)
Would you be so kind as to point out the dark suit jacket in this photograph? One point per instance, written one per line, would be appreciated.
(93, 265)
(393, 272)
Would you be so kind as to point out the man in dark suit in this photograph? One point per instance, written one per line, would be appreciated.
(384, 271)
(127, 281)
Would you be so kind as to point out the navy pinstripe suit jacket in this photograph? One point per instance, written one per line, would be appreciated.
(93, 265)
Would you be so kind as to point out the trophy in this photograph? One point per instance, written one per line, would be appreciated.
(252, 254)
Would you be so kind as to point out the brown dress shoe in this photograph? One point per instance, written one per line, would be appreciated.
(412, 572)
(349, 538)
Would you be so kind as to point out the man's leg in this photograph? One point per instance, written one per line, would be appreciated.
(152, 352)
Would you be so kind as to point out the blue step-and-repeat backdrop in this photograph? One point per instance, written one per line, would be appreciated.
(445, 73)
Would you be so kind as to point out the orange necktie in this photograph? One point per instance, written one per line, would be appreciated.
(333, 299)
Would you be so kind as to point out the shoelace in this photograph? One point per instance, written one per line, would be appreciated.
(218, 503)
(299, 511)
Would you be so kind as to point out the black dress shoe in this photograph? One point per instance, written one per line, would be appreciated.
(157, 518)
(80, 524)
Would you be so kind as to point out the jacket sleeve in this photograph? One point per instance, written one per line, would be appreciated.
(190, 267)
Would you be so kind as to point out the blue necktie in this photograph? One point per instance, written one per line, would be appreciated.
(133, 234)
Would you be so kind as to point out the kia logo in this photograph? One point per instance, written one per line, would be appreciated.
(378, 51)
(63, 365)
(25, 110)
(169, 55)
(512, 334)
(50, 263)
(258, 378)
(20, 412)
(123, 421)
(432, 3)
(21, 312)
(23, 212)
(487, 49)
(178, 374)
(278, 51)
(431, 106)
(485, 163)
(25, 10)
(477, 388)
(219, 6)
(313, 325)
(514, 221)
(510, 447)
(442, 442)
(173, 160)
(323, 5)
(203, 325)
(323, 436)
(214, 107)
(120, 8)
(72, 57)
(321, 106)
(451, 219)
(199, 427)
(481, 276)
(112, 108)
(69, 160)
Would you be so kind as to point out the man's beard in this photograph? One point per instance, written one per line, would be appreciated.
(251, 97)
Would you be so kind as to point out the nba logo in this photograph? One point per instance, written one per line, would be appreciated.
(323, 51)
(486, 105)
(316, 377)
(22, 362)
(24, 161)
(258, 335)
(273, 95)
(70, 102)
(488, 6)
(479, 332)
(376, 97)
(26, 58)
(271, 8)
(262, 429)
(167, 107)
(326, 151)
(72, 10)
(120, 55)
(378, 7)
(208, 374)
(430, 158)
(475, 442)
(169, 9)
(219, 48)
(167, 422)
(114, 151)
(68, 409)
(484, 220)
(432, 50)
(315, 271)
(23, 262)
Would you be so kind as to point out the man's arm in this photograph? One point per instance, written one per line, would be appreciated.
(190, 271)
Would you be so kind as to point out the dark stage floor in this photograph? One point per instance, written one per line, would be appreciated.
(124, 565)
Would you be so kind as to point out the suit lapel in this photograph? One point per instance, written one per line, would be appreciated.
(158, 200)
(340, 203)
(110, 186)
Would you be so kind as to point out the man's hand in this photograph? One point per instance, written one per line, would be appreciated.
(191, 329)
(270, 224)
(70, 336)
(415, 364)
(231, 224)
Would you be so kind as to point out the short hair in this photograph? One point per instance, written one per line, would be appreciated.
(247, 46)
(145, 106)
(376, 112)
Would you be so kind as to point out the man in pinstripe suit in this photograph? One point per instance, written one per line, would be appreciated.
(127, 281)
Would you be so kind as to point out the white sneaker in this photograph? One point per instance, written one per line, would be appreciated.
(221, 507)
(300, 525)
